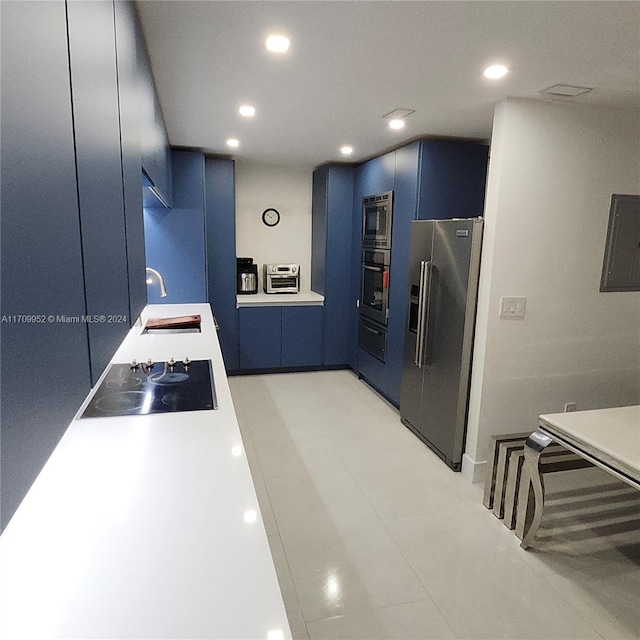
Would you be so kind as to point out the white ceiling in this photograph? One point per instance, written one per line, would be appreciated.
(352, 62)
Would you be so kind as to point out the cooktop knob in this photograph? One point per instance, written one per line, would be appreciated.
(134, 365)
(186, 362)
(171, 363)
(149, 364)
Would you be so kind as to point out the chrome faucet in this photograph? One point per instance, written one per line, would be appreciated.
(157, 274)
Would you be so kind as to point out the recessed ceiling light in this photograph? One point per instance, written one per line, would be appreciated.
(495, 71)
(232, 142)
(346, 150)
(247, 111)
(250, 516)
(396, 124)
(277, 44)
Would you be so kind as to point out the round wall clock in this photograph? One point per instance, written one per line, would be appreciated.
(270, 217)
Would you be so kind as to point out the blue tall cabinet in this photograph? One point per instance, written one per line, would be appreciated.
(72, 231)
(92, 55)
(128, 36)
(396, 171)
(41, 253)
(220, 234)
(431, 179)
(331, 250)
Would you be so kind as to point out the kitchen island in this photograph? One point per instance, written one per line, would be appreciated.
(144, 526)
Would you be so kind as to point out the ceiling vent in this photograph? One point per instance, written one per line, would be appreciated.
(565, 91)
(398, 114)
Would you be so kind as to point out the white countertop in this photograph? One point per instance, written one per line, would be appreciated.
(260, 299)
(143, 526)
(612, 433)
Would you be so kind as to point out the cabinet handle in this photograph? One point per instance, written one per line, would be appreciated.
(364, 326)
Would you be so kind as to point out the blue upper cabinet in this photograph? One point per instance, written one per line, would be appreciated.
(220, 226)
(453, 177)
(175, 238)
(155, 150)
(377, 175)
(41, 252)
(92, 57)
(331, 256)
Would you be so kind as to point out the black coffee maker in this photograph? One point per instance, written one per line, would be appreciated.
(247, 276)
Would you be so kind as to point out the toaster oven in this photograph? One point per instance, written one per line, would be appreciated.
(281, 278)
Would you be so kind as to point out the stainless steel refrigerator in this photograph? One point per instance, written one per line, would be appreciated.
(444, 265)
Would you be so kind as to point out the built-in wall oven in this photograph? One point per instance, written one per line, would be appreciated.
(374, 297)
(374, 302)
(377, 212)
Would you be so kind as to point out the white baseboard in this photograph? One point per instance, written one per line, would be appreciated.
(472, 470)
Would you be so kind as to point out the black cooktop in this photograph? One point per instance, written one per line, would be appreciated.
(154, 387)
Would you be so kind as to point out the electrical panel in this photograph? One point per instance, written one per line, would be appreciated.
(621, 266)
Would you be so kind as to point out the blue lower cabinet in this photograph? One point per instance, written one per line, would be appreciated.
(260, 331)
(280, 337)
(382, 377)
(301, 336)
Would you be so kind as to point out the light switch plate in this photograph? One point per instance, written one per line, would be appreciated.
(512, 307)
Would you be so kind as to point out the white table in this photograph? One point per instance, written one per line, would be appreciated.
(609, 438)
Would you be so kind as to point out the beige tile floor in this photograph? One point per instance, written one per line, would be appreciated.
(374, 537)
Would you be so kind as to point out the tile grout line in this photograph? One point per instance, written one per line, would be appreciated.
(368, 501)
(275, 518)
(377, 515)
(257, 461)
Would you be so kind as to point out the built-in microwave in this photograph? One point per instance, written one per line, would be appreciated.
(377, 212)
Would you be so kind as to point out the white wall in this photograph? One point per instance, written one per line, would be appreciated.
(287, 189)
(552, 172)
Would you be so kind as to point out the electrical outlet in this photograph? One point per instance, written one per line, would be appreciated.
(570, 406)
(512, 307)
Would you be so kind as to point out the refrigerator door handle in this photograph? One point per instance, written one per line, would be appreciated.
(416, 355)
(426, 267)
